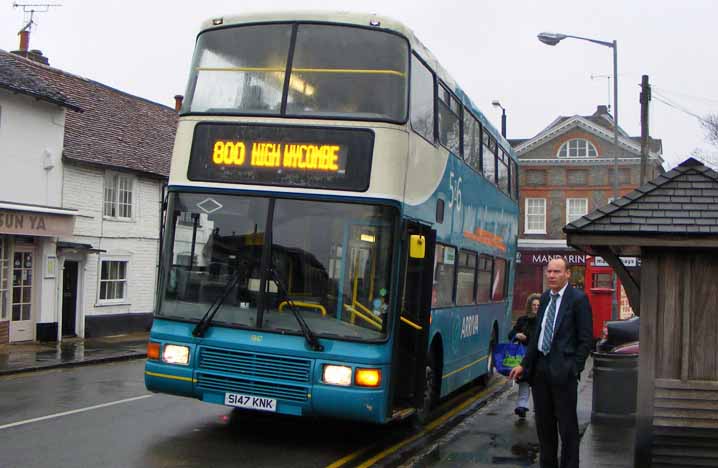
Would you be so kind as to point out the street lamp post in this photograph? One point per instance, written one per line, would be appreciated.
(503, 117)
(554, 38)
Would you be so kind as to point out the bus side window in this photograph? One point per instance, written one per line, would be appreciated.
(486, 269)
(498, 289)
(472, 141)
(444, 267)
(449, 114)
(422, 99)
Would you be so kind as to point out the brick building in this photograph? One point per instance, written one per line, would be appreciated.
(567, 171)
(83, 171)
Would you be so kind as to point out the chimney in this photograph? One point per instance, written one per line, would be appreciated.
(602, 110)
(24, 41)
(34, 55)
(178, 102)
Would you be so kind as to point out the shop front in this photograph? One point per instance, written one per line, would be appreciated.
(591, 274)
(29, 295)
(530, 266)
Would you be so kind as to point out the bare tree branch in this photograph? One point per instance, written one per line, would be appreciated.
(710, 124)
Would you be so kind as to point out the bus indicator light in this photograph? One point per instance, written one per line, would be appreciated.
(153, 351)
(368, 377)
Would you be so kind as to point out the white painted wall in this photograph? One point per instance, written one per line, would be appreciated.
(136, 240)
(31, 139)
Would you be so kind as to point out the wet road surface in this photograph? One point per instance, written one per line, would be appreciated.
(102, 416)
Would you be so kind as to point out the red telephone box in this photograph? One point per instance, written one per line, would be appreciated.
(599, 289)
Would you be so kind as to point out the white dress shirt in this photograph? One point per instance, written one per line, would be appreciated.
(558, 306)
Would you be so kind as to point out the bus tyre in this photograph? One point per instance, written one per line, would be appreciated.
(431, 391)
(490, 367)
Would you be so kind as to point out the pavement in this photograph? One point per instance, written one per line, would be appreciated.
(494, 436)
(28, 357)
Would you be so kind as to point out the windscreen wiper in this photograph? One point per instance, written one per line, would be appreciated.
(206, 319)
(309, 336)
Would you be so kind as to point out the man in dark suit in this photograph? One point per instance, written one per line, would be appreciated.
(554, 359)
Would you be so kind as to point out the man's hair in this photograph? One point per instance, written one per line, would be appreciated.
(567, 267)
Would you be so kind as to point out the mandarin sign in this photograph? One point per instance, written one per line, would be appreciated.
(36, 224)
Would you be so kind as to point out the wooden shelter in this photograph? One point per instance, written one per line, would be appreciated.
(672, 224)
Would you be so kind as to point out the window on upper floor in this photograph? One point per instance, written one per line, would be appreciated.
(535, 222)
(118, 196)
(575, 208)
(577, 148)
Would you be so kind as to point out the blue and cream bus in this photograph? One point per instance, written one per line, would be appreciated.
(340, 227)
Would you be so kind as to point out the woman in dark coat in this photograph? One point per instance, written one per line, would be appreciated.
(525, 325)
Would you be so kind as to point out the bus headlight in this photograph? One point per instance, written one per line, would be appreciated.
(175, 354)
(337, 375)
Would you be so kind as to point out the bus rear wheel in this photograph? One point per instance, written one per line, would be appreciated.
(431, 390)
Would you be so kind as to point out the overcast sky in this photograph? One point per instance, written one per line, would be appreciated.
(489, 47)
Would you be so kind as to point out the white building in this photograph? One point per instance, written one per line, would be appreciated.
(88, 163)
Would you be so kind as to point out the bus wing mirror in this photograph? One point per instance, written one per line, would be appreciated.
(417, 246)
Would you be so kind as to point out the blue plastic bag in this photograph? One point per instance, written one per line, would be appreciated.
(507, 350)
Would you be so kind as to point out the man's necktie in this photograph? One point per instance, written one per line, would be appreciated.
(548, 326)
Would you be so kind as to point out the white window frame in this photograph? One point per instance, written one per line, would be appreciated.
(570, 217)
(113, 180)
(527, 214)
(577, 148)
(122, 300)
(4, 277)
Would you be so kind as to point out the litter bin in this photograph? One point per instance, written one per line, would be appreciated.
(615, 388)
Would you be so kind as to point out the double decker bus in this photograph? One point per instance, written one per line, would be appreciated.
(340, 227)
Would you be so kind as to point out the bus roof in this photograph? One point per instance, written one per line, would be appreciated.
(365, 20)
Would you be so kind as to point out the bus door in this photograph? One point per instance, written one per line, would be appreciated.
(365, 286)
(412, 328)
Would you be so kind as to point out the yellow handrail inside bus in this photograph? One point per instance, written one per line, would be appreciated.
(357, 71)
(410, 323)
(375, 322)
(307, 305)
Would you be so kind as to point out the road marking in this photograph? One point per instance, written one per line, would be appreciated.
(67, 413)
(435, 424)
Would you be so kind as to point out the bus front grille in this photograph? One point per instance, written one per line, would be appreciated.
(222, 383)
(247, 365)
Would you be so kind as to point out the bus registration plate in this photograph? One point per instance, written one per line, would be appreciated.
(250, 402)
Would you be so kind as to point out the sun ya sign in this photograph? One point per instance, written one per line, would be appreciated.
(35, 224)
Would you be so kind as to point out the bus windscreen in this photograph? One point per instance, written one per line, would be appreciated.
(335, 72)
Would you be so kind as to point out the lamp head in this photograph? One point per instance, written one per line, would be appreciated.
(551, 38)
(497, 104)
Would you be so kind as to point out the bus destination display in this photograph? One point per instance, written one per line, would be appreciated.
(310, 157)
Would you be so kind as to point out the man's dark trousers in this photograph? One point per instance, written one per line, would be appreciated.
(555, 404)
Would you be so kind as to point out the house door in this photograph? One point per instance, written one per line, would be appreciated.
(22, 327)
(69, 298)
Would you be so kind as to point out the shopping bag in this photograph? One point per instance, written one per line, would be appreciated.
(507, 356)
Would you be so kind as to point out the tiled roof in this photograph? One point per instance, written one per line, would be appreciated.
(681, 201)
(18, 77)
(115, 129)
